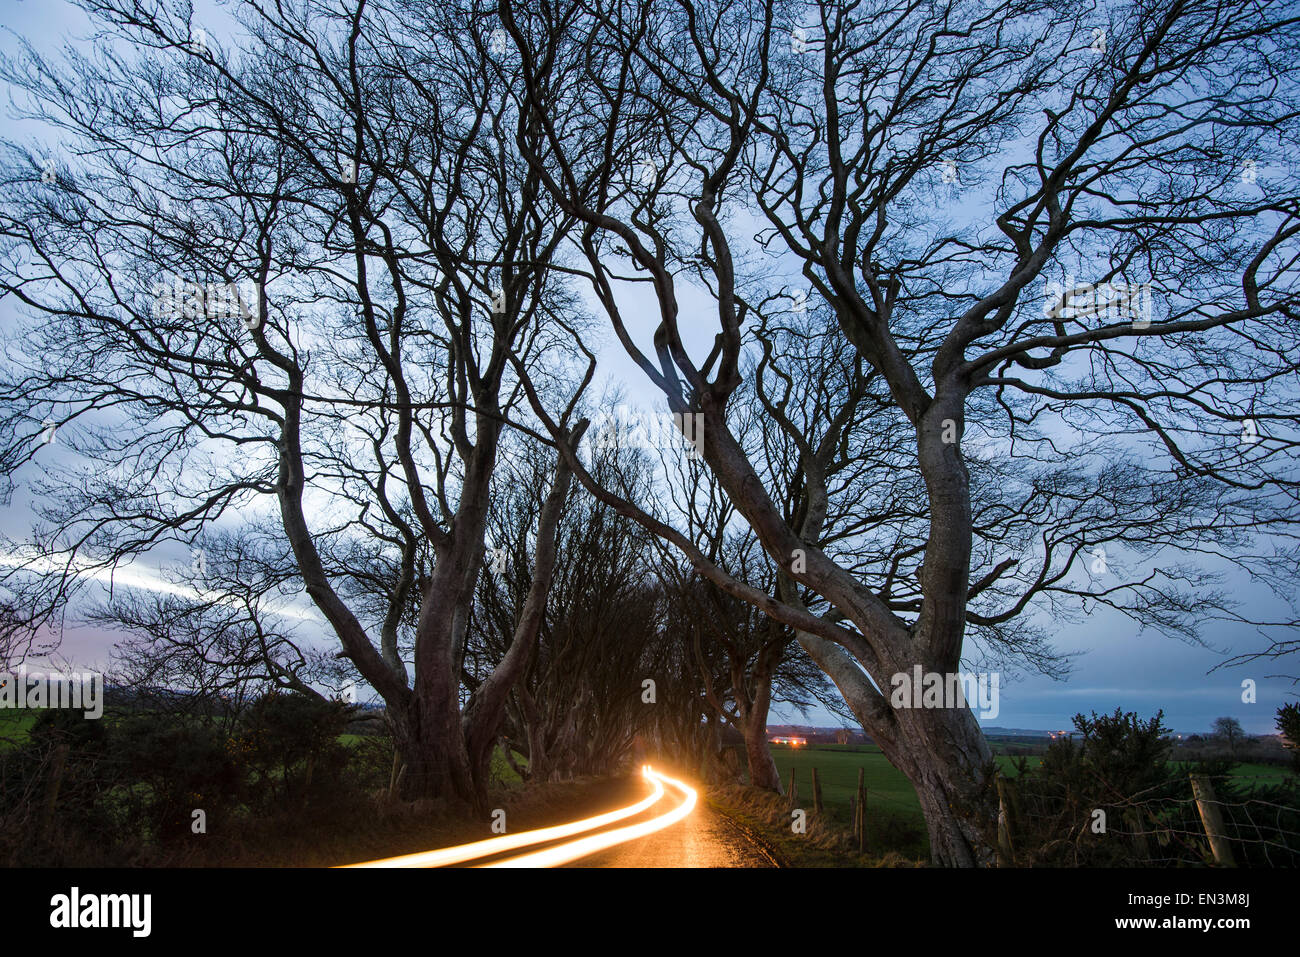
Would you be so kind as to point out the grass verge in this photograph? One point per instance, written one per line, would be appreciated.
(892, 840)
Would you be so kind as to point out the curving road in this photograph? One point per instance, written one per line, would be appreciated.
(704, 839)
(666, 828)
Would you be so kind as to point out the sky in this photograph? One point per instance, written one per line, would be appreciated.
(1116, 666)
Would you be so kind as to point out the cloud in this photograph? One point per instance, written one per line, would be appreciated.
(138, 577)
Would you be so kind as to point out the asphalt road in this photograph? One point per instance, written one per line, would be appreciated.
(668, 827)
(704, 839)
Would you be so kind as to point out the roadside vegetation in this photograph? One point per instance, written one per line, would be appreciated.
(1132, 769)
(282, 784)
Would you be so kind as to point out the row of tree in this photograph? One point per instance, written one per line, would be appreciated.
(820, 230)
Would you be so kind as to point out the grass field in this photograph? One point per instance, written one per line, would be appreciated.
(890, 796)
(887, 788)
(502, 772)
(837, 768)
(1269, 773)
(14, 725)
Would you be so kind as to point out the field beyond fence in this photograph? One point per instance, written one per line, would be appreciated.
(891, 798)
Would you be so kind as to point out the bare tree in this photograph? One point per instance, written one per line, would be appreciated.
(935, 176)
(747, 662)
(290, 274)
(577, 708)
(1229, 729)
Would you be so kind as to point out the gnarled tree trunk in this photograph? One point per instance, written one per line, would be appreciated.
(487, 706)
(758, 756)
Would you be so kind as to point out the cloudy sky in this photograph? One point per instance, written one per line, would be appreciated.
(1116, 666)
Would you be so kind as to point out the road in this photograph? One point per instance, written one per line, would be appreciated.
(704, 839)
(668, 827)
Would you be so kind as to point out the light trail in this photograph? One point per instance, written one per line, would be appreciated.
(461, 853)
(564, 853)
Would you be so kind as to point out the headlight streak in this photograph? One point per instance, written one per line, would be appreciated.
(460, 853)
(582, 847)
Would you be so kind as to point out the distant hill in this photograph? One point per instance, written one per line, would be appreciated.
(996, 732)
(820, 735)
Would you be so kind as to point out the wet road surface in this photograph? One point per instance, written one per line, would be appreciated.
(704, 839)
(667, 826)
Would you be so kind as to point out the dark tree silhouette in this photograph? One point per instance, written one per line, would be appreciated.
(576, 707)
(1061, 238)
(987, 309)
(288, 279)
(1229, 729)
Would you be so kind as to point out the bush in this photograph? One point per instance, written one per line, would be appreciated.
(184, 764)
(128, 784)
(289, 746)
(1288, 725)
(1121, 768)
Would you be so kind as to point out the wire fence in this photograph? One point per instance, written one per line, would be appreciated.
(1081, 817)
(1180, 820)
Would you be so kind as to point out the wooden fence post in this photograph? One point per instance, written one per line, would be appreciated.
(1006, 850)
(395, 778)
(1207, 804)
(860, 821)
(817, 792)
(1140, 846)
(794, 790)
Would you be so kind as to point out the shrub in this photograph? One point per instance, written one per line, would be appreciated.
(289, 744)
(1121, 768)
(184, 764)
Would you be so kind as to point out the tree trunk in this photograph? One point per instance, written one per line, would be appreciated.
(758, 753)
(539, 758)
(942, 751)
(949, 763)
(433, 740)
(486, 709)
(762, 768)
(434, 754)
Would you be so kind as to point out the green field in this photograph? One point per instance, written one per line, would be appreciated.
(14, 725)
(502, 772)
(1269, 772)
(837, 767)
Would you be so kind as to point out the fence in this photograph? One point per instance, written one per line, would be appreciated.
(878, 820)
(1203, 819)
(1195, 819)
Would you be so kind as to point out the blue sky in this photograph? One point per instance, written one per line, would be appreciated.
(1116, 665)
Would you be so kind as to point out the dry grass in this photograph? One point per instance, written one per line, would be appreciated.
(824, 844)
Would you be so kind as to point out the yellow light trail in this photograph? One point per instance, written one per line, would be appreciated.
(564, 853)
(509, 842)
